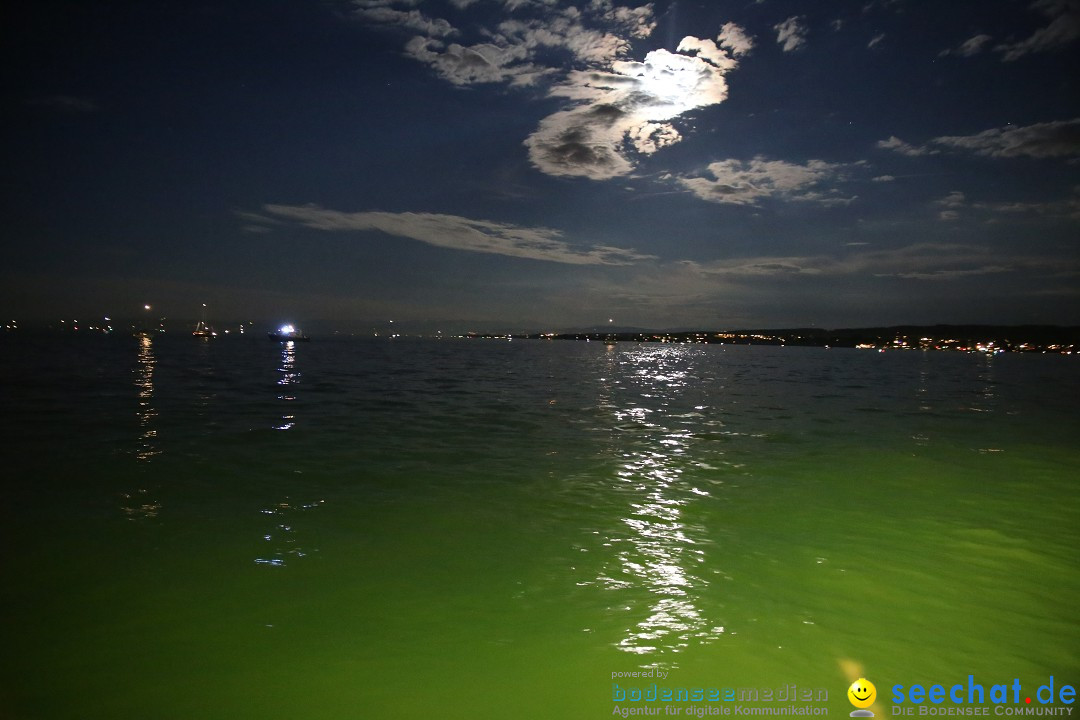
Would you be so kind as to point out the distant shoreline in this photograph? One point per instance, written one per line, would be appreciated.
(990, 339)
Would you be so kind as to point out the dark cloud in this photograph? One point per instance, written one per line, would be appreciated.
(66, 103)
(748, 182)
(791, 34)
(1063, 29)
(1042, 140)
(971, 46)
(455, 232)
(1060, 138)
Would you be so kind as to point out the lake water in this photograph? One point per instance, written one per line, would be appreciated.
(370, 528)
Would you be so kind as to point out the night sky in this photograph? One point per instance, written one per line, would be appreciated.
(532, 165)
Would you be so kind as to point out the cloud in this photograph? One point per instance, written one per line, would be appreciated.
(880, 4)
(940, 261)
(638, 21)
(875, 41)
(1060, 138)
(454, 232)
(954, 274)
(921, 261)
(748, 286)
(955, 201)
(971, 46)
(615, 109)
(735, 39)
(650, 137)
(1068, 208)
(627, 110)
(380, 13)
(1064, 28)
(706, 50)
(897, 145)
(748, 182)
(791, 34)
(1042, 140)
(766, 266)
(952, 200)
(65, 103)
(481, 63)
(883, 178)
(565, 32)
(511, 47)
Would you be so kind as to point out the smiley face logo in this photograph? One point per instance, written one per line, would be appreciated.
(862, 693)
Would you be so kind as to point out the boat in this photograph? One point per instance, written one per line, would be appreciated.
(202, 330)
(287, 333)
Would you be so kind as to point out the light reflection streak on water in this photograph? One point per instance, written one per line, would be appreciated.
(986, 399)
(144, 385)
(137, 504)
(283, 537)
(204, 396)
(987, 394)
(656, 548)
(288, 377)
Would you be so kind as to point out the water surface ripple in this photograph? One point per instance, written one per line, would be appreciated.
(377, 528)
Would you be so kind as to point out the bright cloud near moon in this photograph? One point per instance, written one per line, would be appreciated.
(633, 102)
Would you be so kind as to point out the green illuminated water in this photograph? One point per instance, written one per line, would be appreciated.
(375, 529)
